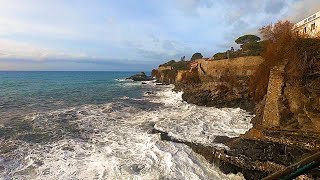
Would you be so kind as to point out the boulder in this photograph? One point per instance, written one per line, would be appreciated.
(140, 77)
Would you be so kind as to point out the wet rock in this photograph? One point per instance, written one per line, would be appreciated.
(140, 77)
(2, 169)
(35, 137)
(136, 168)
(38, 162)
(255, 158)
(160, 84)
(149, 93)
(7, 148)
(222, 139)
(216, 98)
(67, 148)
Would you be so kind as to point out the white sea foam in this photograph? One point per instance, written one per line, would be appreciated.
(199, 124)
(124, 80)
(115, 143)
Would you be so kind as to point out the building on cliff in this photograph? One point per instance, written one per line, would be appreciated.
(309, 25)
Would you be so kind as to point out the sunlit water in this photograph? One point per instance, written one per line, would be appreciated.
(111, 139)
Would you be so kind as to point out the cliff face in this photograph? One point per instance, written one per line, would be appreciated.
(222, 83)
(287, 122)
(289, 105)
(210, 70)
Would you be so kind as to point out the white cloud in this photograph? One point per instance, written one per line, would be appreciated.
(178, 27)
(301, 9)
(10, 26)
(10, 49)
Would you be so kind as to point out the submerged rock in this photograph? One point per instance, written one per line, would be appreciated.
(140, 77)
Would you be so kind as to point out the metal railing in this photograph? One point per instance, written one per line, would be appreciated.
(297, 169)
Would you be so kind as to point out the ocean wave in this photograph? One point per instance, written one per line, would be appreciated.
(124, 80)
(112, 141)
(198, 124)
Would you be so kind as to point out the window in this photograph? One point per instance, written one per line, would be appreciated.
(313, 26)
(305, 29)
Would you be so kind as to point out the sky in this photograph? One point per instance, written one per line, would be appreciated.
(129, 35)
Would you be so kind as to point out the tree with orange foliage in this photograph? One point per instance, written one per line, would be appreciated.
(279, 46)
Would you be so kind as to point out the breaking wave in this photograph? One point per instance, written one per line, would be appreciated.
(113, 140)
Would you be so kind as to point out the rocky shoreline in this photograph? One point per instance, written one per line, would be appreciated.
(255, 158)
(278, 83)
(285, 128)
(258, 153)
(203, 96)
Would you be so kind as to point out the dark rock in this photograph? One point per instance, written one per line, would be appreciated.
(222, 139)
(136, 168)
(140, 77)
(255, 159)
(204, 97)
(2, 169)
(160, 84)
(143, 83)
(67, 148)
(149, 93)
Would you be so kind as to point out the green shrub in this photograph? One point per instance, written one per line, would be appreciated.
(221, 55)
(196, 56)
(180, 65)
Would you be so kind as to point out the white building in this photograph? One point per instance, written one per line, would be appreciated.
(310, 25)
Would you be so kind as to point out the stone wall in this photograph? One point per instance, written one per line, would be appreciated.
(290, 106)
(271, 114)
(242, 66)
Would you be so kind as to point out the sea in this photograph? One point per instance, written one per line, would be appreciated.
(99, 125)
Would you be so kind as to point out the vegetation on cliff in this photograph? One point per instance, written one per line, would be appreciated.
(300, 57)
(264, 149)
(246, 39)
(250, 46)
(196, 56)
(178, 65)
(282, 45)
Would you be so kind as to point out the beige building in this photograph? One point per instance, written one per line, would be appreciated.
(309, 25)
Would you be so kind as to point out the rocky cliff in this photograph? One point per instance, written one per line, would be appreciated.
(288, 104)
(286, 126)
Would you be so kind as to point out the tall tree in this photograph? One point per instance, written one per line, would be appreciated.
(196, 56)
(249, 38)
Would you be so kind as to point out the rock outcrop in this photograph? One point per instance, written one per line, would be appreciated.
(140, 77)
(258, 157)
(219, 94)
(286, 127)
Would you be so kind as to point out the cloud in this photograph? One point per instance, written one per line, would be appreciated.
(300, 9)
(94, 32)
(275, 6)
(10, 49)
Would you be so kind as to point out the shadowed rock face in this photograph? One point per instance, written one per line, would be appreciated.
(219, 100)
(219, 93)
(140, 77)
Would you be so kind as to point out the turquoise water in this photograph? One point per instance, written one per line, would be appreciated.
(26, 92)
